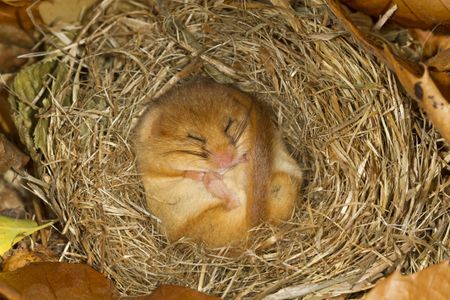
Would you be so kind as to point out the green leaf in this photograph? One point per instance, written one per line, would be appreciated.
(13, 230)
(26, 100)
(40, 132)
(33, 89)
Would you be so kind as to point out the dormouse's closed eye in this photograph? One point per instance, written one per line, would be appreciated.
(196, 137)
(228, 125)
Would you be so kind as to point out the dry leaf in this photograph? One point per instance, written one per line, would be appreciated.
(17, 25)
(410, 13)
(30, 85)
(361, 20)
(6, 122)
(23, 257)
(432, 283)
(418, 80)
(11, 204)
(436, 48)
(17, 3)
(10, 156)
(57, 12)
(9, 61)
(432, 42)
(50, 280)
(431, 98)
(16, 32)
(15, 37)
(17, 15)
(441, 61)
(13, 230)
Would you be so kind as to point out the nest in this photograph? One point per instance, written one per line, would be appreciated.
(374, 193)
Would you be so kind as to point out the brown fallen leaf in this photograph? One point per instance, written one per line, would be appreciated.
(17, 14)
(9, 61)
(10, 156)
(11, 204)
(372, 43)
(432, 283)
(413, 76)
(20, 258)
(441, 61)
(14, 41)
(17, 3)
(436, 48)
(432, 42)
(6, 123)
(51, 280)
(432, 98)
(16, 26)
(410, 13)
(19, 18)
(56, 12)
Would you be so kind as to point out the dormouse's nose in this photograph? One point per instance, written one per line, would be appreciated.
(224, 158)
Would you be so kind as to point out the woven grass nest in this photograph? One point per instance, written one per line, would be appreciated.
(374, 193)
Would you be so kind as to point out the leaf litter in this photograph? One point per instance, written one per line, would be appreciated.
(412, 74)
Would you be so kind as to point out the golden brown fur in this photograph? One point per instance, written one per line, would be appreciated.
(213, 165)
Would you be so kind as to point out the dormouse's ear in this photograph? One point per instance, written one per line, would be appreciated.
(241, 98)
(150, 123)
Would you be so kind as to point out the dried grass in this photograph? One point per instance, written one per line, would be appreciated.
(374, 196)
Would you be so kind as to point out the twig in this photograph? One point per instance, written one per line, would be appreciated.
(38, 212)
(384, 18)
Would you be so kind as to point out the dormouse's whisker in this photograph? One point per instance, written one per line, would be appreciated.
(241, 128)
(191, 152)
(206, 150)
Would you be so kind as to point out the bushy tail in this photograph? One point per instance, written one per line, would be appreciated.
(261, 162)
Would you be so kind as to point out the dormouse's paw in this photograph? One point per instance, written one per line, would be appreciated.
(194, 175)
(242, 159)
(211, 177)
(232, 201)
(215, 185)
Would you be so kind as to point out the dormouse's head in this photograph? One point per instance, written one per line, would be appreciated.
(201, 126)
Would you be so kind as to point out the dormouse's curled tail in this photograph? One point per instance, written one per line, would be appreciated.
(260, 157)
